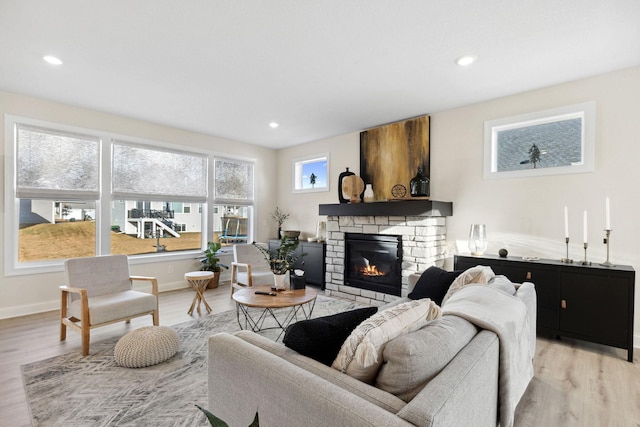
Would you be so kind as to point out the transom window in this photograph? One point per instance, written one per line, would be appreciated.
(558, 141)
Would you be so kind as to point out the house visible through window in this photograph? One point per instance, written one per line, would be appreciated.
(142, 227)
(233, 209)
(54, 229)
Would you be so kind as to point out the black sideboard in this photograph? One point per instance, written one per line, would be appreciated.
(312, 262)
(589, 302)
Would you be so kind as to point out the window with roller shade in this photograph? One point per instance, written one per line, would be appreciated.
(73, 192)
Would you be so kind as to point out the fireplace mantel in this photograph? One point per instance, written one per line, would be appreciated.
(393, 208)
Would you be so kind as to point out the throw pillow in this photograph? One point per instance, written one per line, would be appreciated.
(433, 283)
(412, 360)
(321, 338)
(479, 274)
(361, 354)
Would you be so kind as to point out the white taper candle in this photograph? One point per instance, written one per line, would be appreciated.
(585, 226)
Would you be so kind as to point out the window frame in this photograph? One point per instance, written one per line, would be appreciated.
(105, 200)
(297, 165)
(586, 111)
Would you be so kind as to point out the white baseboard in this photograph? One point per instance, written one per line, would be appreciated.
(43, 307)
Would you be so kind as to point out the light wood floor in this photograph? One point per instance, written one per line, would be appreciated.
(576, 383)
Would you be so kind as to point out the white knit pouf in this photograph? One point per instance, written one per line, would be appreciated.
(146, 346)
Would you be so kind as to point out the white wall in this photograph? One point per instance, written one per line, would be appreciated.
(303, 207)
(523, 215)
(20, 295)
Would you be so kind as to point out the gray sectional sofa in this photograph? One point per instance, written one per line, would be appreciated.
(445, 374)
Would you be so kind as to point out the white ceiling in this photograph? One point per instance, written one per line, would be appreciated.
(318, 68)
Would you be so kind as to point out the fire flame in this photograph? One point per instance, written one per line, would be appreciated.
(371, 270)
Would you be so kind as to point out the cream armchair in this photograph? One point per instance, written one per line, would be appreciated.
(99, 292)
(249, 268)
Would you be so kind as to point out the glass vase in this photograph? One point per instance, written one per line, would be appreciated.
(419, 185)
(477, 239)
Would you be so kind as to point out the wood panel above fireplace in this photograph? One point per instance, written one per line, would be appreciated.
(393, 208)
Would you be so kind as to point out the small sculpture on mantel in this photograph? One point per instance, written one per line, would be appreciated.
(342, 196)
(353, 185)
(419, 185)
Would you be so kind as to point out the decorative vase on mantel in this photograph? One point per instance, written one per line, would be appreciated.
(419, 185)
(341, 194)
(368, 194)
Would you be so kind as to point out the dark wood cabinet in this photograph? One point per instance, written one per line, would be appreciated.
(588, 302)
(312, 262)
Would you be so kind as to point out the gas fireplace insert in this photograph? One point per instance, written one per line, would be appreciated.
(373, 262)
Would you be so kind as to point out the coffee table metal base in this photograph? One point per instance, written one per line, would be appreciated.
(255, 317)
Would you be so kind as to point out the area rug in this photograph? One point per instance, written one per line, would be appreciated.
(71, 390)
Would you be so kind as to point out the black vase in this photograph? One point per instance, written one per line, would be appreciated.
(342, 176)
(419, 185)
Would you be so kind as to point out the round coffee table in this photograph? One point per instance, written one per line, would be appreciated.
(299, 301)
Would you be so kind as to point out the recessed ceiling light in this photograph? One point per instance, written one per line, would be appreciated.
(52, 60)
(464, 61)
(273, 125)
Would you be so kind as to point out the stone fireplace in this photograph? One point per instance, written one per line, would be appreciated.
(419, 226)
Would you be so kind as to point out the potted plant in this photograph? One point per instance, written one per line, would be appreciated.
(280, 260)
(280, 218)
(217, 422)
(210, 262)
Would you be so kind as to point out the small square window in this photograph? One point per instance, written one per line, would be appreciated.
(311, 173)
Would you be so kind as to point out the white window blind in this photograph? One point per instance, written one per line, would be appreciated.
(56, 164)
(233, 180)
(146, 173)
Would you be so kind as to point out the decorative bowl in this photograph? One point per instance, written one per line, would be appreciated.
(291, 234)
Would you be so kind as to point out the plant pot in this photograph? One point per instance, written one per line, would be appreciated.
(213, 283)
(281, 281)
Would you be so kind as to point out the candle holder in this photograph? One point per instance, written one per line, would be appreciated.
(606, 242)
(585, 262)
(567, 260)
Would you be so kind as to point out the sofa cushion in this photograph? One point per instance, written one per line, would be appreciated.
(361, 354)
(433, 283)
(351, 386)
(479, 274)
(321, 338)
(412, 360)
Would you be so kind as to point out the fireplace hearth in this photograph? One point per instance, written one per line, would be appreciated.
(374, 262)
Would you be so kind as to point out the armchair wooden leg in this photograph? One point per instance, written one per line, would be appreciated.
(63, 315)
(156, 318)
(85, 339)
